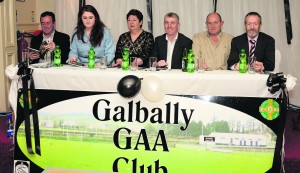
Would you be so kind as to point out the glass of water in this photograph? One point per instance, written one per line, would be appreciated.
(103, 62)
(251, 64)
(152, 63)
(133, 63)
(200, 65)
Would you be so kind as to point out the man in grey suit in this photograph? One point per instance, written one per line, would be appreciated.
(264, 45)
(169, 47)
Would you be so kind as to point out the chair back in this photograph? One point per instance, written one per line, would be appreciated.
(277, 60)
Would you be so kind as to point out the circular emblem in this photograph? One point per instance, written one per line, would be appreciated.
(269, 109)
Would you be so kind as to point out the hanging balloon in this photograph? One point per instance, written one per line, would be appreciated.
(153, 88)
(129, 86)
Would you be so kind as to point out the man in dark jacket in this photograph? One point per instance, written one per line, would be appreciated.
(48, 39)
(255, 43)
(169, 47)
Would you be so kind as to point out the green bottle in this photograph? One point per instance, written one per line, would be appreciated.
(125, 59)
(190, 62)
(243, 62)
(91, 58)
(57, 56)
(184, 61)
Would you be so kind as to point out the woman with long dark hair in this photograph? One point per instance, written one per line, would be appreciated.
(90, 32)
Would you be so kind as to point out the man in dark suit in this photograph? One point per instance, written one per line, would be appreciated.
(49, 37)
(169, 47)
(263, 45)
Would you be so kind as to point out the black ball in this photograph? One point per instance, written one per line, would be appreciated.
(129, 86)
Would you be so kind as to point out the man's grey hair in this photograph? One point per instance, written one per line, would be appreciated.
(172, 14)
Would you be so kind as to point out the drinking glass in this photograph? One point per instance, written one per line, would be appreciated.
(47, 60)
(133, 63)
(152, 63)
(251, 64)
(102, 62)
(200, 65)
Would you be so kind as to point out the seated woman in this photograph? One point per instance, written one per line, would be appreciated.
(90, 32)
(138, 41)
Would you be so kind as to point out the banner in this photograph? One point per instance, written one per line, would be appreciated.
(104, 132)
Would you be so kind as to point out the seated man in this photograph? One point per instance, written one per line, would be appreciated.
(169, 47)
(255, 43)
(50, 38)
(213, 45)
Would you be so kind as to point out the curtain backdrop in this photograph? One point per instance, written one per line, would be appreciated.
(192, 15)
(66, 15)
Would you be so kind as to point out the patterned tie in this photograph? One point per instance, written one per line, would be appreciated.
(251, 54)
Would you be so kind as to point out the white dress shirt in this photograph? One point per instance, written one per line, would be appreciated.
(170, 49)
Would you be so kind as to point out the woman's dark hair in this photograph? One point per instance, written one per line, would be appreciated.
(97, 32)
(137, 13)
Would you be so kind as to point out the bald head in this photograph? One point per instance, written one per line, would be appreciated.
(214, 24)
(215, 15)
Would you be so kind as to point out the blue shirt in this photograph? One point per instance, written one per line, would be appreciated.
(80, 50)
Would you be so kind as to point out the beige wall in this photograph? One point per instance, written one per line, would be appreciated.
(24, 11)
(44, 5)
(16, 15)
(28, 13)
(8, 47)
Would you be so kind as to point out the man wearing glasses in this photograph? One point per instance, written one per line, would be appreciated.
(213, 45)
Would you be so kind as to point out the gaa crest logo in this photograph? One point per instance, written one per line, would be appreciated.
(269, 109)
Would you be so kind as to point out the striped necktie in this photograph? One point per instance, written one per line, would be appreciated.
(252, 48)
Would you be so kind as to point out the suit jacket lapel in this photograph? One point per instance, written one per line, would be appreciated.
(245, 44)
(164, 47)
(259, 44)
(55, 36)
(176, 50)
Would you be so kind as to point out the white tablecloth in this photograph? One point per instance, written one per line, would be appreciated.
(210, 83)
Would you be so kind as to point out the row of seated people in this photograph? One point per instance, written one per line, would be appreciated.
(219, 49)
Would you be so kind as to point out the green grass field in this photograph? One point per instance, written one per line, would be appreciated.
(182, 159)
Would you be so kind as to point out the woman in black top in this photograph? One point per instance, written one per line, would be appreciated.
(139, 42)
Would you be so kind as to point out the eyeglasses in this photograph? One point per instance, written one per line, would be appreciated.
(212, 23)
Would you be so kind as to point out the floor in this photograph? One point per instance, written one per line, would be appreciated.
(292, 144)
(6, 145)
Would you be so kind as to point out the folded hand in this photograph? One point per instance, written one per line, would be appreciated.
(259, 66)
(162, 63)
(118, 63)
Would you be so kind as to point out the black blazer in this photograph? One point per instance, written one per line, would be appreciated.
(161, 46)
(61, 39)
(264, 50)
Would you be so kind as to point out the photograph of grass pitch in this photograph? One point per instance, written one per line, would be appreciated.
(100, 156)
(213, 139)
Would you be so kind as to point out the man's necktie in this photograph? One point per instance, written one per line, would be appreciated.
(251, 53)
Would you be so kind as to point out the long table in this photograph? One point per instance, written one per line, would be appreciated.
(214, 83)
(216, 121)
